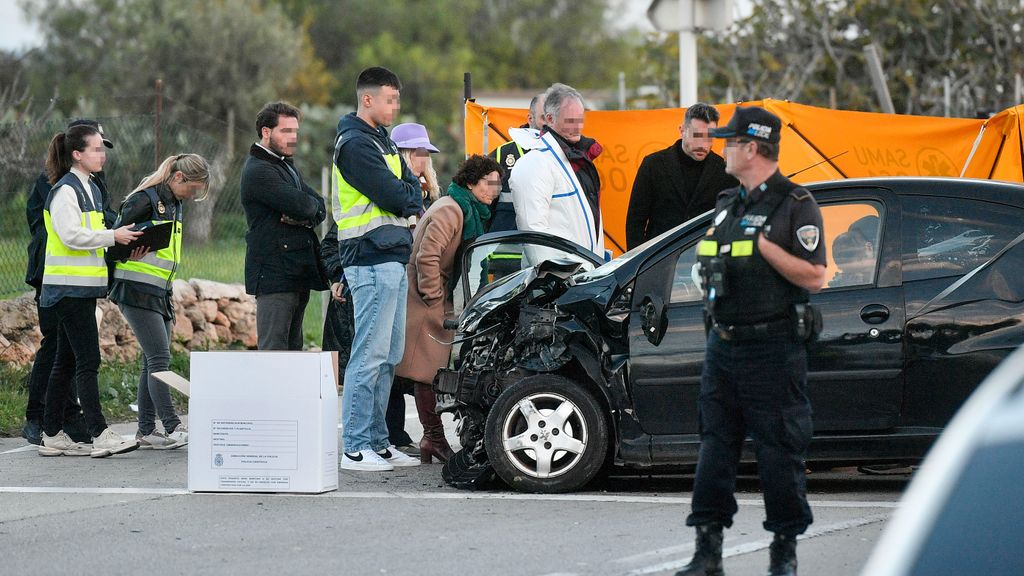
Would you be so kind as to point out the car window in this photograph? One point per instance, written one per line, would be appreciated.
(852, 231)
(951, 236)
(683, 287)
(853, 234)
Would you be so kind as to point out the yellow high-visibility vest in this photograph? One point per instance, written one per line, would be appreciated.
(356, 214)
(75, 273)
(156, 268)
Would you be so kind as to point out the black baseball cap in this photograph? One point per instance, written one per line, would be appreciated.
(94, 124)
(752, 123)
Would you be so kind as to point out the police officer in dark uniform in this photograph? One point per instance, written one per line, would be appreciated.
(507, 155)
(759, 260)
(508, 259)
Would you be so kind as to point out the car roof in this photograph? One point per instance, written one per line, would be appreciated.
(988, 190)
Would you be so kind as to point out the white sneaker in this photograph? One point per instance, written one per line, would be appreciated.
(366, 460)
(397, 458)
(180, 435)
(62, 445)
(109, 443)
(157, 441)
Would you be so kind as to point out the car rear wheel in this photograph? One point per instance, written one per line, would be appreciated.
(546, 433)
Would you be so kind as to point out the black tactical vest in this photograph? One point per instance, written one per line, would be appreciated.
(751, 291)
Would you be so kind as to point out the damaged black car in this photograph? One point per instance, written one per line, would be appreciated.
(564, 366)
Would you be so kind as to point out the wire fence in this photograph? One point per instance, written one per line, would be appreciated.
(213, 247)
(216, 231)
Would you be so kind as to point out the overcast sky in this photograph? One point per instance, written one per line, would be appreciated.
(15, 34)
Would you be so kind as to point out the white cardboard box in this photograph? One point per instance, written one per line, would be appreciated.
(263, 422)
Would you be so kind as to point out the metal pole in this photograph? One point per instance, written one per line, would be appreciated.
(874, 64)
(622, 90)
(1018, 89)
(687, 68)
(947, 96)
(687, 55)
(467, 95)
(159, 109)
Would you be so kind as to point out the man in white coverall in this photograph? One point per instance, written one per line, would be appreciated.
(556, 188)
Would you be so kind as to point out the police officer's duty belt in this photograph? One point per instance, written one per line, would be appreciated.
(759, 331)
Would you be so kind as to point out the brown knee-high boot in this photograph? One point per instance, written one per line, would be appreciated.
(433, 443)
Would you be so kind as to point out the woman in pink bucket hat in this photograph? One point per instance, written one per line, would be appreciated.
(414, 144)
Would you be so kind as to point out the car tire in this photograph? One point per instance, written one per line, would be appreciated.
(546, 433)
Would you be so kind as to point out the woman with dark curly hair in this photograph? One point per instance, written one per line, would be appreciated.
(453, 220)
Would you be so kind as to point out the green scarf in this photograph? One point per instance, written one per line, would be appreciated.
(474, 212)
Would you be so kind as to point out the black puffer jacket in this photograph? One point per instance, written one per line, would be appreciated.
(280, 256)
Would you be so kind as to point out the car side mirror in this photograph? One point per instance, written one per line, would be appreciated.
(652, 318)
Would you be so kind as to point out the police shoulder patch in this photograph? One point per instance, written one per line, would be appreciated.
(510, 160)
(808, 236)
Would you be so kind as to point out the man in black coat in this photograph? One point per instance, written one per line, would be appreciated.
(282, 256)
(679, 182)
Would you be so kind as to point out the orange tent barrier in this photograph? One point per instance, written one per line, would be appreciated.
(817, 144)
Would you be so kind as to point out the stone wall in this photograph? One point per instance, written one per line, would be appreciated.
(208, 315)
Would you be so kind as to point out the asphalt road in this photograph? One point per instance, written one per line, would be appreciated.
(131, 514)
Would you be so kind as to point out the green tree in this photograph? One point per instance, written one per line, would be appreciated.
(527, 44)
(812, 51)
(213, 55)
(217, 59)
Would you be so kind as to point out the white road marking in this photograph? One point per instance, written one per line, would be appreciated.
(748, 547)
(621, 499)
(87, 490)
(25, 448)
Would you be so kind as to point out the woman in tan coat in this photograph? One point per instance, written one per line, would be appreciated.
(452, 220)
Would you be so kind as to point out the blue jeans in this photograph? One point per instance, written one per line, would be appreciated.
(378, 298)
(757, 388)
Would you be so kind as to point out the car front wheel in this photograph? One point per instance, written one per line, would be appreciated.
(546, 433)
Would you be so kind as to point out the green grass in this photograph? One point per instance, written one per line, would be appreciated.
(118, 384)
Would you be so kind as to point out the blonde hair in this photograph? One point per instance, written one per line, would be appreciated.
(430, 175)
(193, 167)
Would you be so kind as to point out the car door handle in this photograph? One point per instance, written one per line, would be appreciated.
(874, 313)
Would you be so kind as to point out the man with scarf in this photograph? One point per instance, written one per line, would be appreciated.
(557, 188)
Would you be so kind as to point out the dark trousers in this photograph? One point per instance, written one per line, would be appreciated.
(76, 326)
(50, 359)
(395, 415)
(339, 325)
(279, 320)
(756, 388)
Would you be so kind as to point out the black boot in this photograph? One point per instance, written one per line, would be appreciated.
(783, 556)
(707, 558)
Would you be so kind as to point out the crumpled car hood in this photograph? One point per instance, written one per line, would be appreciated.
(515, 287)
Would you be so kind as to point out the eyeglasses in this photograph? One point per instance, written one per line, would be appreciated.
(736, 142)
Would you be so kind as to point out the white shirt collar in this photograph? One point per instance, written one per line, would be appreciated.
(83, 176)
(271, 152)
